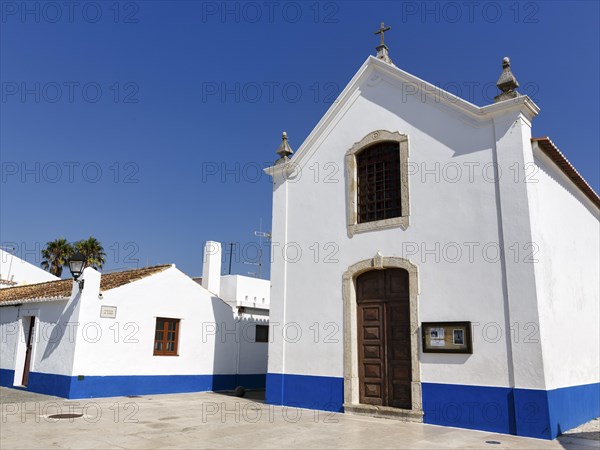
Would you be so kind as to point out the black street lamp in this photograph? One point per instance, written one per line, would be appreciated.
(76, 266)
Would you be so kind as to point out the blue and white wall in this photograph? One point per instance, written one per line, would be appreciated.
(249, 299)
(110, 357)
(116, 357)
(567, 233)
(462, 217)
(54, 339)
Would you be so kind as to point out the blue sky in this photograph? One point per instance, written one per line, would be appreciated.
(145, 123)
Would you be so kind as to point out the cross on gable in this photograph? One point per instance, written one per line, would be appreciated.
(381, 31)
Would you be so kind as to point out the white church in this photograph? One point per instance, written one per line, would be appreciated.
(461, 285)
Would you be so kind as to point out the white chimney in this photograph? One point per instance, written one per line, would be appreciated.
(211, 267)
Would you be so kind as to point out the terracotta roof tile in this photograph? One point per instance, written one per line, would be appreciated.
(60, 289)
(552, 152)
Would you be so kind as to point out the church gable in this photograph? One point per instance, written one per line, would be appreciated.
(443, 152)
(388, 86)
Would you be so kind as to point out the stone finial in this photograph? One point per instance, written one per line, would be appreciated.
(284, 151)
(507, 83)
(382, 49)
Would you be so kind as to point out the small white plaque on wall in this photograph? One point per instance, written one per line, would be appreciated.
(108, 312)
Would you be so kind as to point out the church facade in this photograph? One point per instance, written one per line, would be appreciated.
(433, 262)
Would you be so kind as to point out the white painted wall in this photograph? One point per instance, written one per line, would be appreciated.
(448, 211)
(251, 294)
(54, 336)
(15, 269)
(252, 355)
(239, 290)
(513, 152)
(72, 339)
(211, 267)
(277, 310)
(126, 343)
(566, 233)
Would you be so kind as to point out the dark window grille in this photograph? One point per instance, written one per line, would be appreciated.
(166, 337)
(262, 333)
(378, 170)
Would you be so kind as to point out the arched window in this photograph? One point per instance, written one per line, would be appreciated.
(379, 186)
(377, 182)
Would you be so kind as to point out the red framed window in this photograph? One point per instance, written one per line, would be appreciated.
(166, 336)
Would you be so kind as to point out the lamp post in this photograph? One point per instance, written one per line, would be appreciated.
(76, 266)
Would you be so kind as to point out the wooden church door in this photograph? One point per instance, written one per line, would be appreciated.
(384, 350)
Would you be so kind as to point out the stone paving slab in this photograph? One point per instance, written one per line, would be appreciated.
(18, 395)
(590, 430)
(210, 420)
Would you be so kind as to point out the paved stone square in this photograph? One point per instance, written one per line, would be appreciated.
(210, 420)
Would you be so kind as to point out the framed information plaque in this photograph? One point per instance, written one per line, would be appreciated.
(446, 337)
(108, 312)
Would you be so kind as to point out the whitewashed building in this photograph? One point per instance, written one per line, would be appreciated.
(248, 296)
(456, 277)
(142, 331)
(16, 271)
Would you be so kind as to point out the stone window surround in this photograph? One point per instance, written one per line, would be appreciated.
(372, 138)
(351, 377)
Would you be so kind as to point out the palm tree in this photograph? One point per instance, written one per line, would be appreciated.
(93, 252)
(56, 255)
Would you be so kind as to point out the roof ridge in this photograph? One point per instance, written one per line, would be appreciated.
(549, 148)
(62, 288)
(469, 112)
(37, 284)
(138, 268)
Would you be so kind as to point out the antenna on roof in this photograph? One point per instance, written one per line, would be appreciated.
(9, 249)
(227, 256)
(261, 235)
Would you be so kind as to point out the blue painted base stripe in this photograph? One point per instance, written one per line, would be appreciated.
(50, 384)
(115, 386)
(274, 389)
(473, 407)
(570, 407)
(305, 391)
(523, 412)
(229, 382)
(7, 377)
(252, 381)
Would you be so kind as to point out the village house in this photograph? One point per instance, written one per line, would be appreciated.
(457, 279)
(249, 297)
(143, 331)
